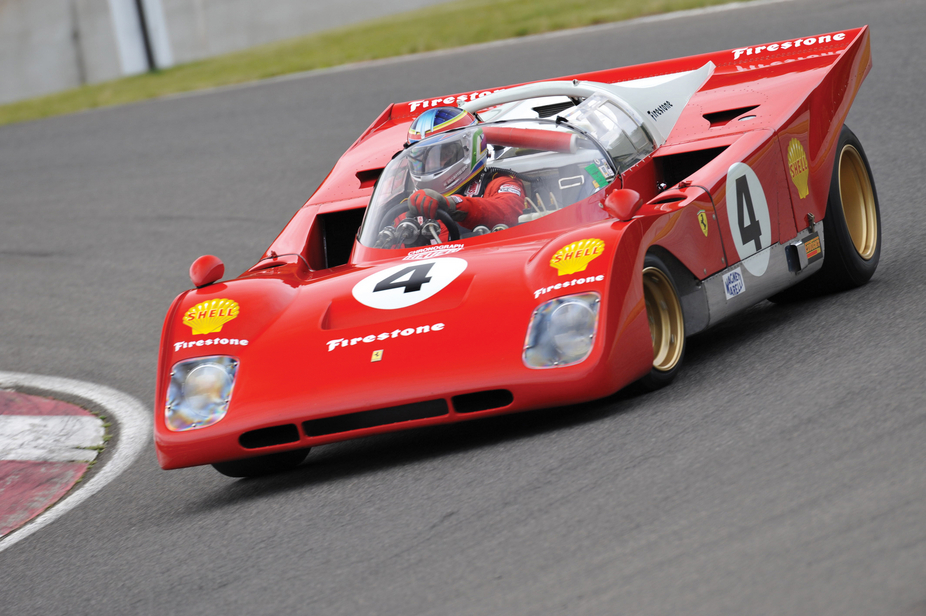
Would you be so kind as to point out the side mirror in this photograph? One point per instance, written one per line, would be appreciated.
(622, 204)
(206, 270)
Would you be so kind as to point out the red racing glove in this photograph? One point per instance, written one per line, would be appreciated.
(426, 202)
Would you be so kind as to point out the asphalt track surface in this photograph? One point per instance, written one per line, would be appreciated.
(784, 472)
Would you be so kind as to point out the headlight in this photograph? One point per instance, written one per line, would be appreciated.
(562, 331)
(200, 390)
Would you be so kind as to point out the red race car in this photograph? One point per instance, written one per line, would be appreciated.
(536, 246)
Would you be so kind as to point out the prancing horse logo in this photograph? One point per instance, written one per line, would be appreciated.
(702, 218)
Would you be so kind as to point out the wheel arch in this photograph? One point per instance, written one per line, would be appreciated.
(690, 289)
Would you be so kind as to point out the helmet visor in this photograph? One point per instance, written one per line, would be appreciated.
(431, 159)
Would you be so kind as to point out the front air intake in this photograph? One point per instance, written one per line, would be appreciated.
(482, 401)
(267, 437)
(375, 418)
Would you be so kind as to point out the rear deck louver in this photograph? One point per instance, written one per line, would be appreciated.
(722, 118)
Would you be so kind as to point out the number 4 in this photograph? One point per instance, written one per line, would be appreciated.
(417, 276)
(753, 231)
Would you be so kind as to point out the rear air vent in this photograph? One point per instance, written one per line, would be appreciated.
(376, 417)
(482, 401)
(664, 200)
(674, 168)
(546, 111)
(267, 437)
(722, 118)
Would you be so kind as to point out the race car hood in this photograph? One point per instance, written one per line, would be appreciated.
(377, 334)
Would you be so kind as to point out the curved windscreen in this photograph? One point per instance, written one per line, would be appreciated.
(622, 135)
(492, 177)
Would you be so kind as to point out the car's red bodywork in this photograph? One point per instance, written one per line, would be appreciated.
(460, 351)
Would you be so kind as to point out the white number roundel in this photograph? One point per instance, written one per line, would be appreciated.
(407, 284)
(747, 212)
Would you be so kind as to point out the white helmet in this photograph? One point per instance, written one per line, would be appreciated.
(448, 161)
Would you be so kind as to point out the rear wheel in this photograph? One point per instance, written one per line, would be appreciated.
(852, 225)
(262, 465)
(666, 323)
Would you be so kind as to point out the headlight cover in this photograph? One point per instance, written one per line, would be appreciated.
(562, 331)
(199, 393)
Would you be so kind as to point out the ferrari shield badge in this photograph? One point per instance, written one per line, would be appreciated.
(702, 220)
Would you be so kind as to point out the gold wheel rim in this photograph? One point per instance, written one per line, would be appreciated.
(666, 324)
(858, 202)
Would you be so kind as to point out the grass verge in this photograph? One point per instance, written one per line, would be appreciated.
(454, 24)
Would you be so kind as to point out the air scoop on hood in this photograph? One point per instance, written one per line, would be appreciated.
(417, 284)
(411, 287)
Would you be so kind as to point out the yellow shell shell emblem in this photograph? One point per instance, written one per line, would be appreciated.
(797, 164)
(208, 317)
(576, 256)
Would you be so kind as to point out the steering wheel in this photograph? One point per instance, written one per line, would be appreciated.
(453, 230)
(442, 215)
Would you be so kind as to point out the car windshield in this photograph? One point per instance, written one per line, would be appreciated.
(622, 135)
(535, 167)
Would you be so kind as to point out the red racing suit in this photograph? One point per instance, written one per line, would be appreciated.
(501, 202)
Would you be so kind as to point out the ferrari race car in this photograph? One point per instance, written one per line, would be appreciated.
(651, 202)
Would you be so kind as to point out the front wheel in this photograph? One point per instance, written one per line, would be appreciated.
(262, 465)
(666, 323)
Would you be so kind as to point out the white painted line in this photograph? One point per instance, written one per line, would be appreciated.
(50, 438)
(134, 434)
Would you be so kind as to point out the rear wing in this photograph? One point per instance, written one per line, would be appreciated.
(824, 71)
(741, 64)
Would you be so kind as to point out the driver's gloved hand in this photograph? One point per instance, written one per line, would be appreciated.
(426, 202)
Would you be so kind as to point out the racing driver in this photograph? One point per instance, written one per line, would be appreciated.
(449, 171)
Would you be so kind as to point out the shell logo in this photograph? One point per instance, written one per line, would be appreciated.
(576, 256)
(797, 165)
(208, 317)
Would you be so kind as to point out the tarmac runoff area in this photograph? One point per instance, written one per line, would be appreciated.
(47, 446)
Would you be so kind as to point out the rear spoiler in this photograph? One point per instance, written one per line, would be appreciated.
(732, 62)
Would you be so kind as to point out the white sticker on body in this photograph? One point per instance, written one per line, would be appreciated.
(407, 284)
(430, 252)
(733, 283)
(748, 217)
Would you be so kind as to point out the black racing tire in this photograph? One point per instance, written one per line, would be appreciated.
(851, 227)
(263, 465)
(666, 323)
(852, 224)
